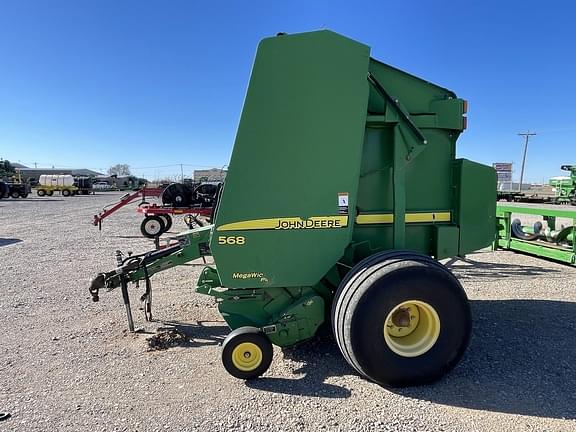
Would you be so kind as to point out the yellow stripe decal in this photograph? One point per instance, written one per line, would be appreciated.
(388, 218)
(314, 222)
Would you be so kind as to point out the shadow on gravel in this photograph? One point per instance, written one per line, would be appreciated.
(520, 361)
(321, 359)
(9, 241)
(128, 236)
(35, 200)
(465, 268)
(187, 335)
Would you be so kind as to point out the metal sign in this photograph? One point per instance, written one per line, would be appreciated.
(502, 166)
(504, 176)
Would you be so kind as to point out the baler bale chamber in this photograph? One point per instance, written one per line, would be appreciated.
(342, 192)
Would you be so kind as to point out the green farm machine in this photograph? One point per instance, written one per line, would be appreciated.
(564, 186)
(551, 231)
(547, 237)
(343, 192)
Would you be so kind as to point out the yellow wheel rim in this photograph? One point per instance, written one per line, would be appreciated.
(247, 356)
(411, 328)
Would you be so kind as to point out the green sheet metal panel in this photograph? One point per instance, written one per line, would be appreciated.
(447, 241)
(416, 95)
(476, 204)
(298, 146)
(429, 177)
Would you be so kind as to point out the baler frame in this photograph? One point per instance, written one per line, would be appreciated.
(348, 236)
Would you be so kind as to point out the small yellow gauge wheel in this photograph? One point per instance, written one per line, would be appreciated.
(246, 353)
(247, 356)
(411, 328)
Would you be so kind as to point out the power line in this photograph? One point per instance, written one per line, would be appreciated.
(526, 136)
(558, 130)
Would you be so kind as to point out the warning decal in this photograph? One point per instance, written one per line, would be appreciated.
(343, 203)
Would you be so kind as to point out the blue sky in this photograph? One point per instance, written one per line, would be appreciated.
(157, 83)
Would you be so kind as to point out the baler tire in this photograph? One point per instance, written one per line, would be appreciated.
(364, 307)
(49, 193)
(148, 231)
(167, 222)
(65, 192)
(341, 297)
(238, 348)
(40, 192)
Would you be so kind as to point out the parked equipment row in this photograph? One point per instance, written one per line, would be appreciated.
(14, 190)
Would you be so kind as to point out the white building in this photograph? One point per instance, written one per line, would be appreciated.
(213, 174)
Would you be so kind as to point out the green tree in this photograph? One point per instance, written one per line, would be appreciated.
(6, 169)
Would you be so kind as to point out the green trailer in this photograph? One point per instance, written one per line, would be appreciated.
(546, 238)
(343, 192)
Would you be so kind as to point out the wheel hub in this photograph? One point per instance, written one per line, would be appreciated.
(247, 356)
(153, 227)
(401, 317)
(411, 328)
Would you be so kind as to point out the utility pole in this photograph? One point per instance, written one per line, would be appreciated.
(182, 173)
(526, 136)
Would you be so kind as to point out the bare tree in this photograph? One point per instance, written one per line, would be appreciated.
(119, 170)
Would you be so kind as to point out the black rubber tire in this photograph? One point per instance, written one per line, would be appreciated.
(252, 335)
(176, 195)
(372, 289)
(40, 192)
(66, 192)
(167, 222)
(149, 224)
(342, 295)
(24, 196)
(15, 194)
(49, 193)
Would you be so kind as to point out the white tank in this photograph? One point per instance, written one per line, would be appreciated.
(56, 180)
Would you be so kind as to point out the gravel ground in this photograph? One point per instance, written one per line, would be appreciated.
(67, 364)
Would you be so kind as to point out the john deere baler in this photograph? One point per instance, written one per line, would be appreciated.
(343, 191)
